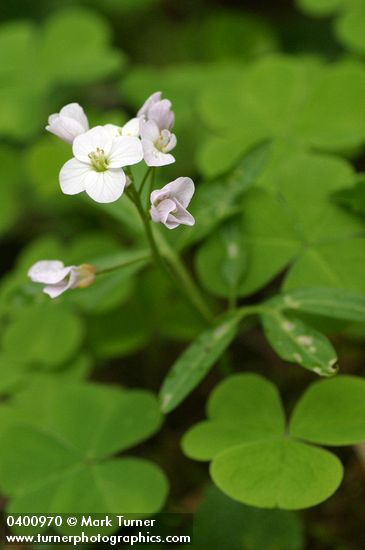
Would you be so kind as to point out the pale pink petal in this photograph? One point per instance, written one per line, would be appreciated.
(54, 291)
(179, 217)
(125, 151)
(105, 187)
(161, 113)
(65, 128)
(48, 271)
(149, 130)
(73, 176)
(131, 128)
(171, 140)
(161, 211)
(154, 157)
(69, 282)
(96, 138)
(75, 111)
(182, 189)
(148, 103)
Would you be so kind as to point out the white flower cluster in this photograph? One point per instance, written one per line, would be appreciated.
(101, 153)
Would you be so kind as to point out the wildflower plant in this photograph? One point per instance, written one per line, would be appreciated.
(263, 253)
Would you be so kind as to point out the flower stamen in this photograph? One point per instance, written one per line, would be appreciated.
(99, 161)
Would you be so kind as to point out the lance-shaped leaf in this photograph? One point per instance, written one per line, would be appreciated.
(296, 342)
(329, 302)
(196, 361)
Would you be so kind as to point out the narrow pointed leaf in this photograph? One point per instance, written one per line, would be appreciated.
(195, 362)
(296, 342)
(330, 302)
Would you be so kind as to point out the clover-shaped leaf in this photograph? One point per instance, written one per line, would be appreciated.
(226, 409)
(331, 413)
(289, 219)
(284, 98)
(49, 462)
(56, 335)
(85, 56)
(255, 460)
(73, 46)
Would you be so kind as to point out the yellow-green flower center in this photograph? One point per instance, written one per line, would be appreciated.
(99, 160)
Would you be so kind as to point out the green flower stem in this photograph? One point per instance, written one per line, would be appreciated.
(137, 257)
(179, 274)
(144, 179)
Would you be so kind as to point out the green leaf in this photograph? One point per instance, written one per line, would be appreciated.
(329, 302)
(331, 412)
(296, 342)
(353, 198)
(234, 417)
(269, 237)
(50, 154)
(283, 473)
(221, 261)
(55, 336)
(109, 419)
(220, 522)
(195, 362)
(50, 463)
(320, 7)
(12, 374)
(85, 56)
(279, 98)
(292, 219)
(350, 28)
(216, 201)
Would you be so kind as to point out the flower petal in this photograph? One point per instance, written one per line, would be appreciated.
(48, 271)
(161, 211)
(75, 111)
(125, 151)
(179, 217)
(55, 290)
(131, 128)
(105, 186)
(148, 103)
(97, 137)
(154, 157)
(149, 130)
(73, 177)
(65, 128)
(161, 113)
(182, 189)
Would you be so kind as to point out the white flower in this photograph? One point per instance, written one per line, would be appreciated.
(168, 205)
(158, 110)
(130, 128)
(97, 166)
(59, 278)
(157, 144)
(69, 123)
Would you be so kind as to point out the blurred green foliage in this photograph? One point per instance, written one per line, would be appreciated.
(270, 122)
